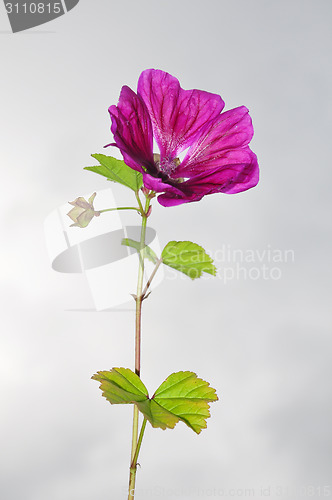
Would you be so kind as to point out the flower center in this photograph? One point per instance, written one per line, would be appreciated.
(166, 165)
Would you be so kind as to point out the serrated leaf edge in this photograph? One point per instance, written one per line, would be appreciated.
(189, 265)
(138, 175)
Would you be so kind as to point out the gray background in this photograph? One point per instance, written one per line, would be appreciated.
(264, 344)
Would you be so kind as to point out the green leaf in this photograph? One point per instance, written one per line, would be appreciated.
(188, 258)
(187, 397)
(182, 396)
(148, 252)
(121, 385)
(117, 171)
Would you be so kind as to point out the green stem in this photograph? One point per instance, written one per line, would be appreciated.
(133, 465)
(139, 297)
(159, 261)
(139, 201)
(140, 439)
(120, 208)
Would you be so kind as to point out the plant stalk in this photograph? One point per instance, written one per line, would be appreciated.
(147, 286)
(133, 465)
(119, 208)
(136, 442)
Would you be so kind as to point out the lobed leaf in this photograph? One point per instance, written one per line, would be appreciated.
(117, 171)
(186, 396)
(182, 396)
(188, 258)
(121, 385)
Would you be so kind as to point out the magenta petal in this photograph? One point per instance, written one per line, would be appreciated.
(167, 200)
(176, 114)
(239, 174)
(231, 130)
(132, 130)
(248, 177)
(156, 184)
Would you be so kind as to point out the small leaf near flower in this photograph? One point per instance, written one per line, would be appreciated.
(117, 171)
(148, 252)
(182, 396)
(188, 258)
(83, 211)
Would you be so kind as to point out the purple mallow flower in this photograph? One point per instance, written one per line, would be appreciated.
(218, 158)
